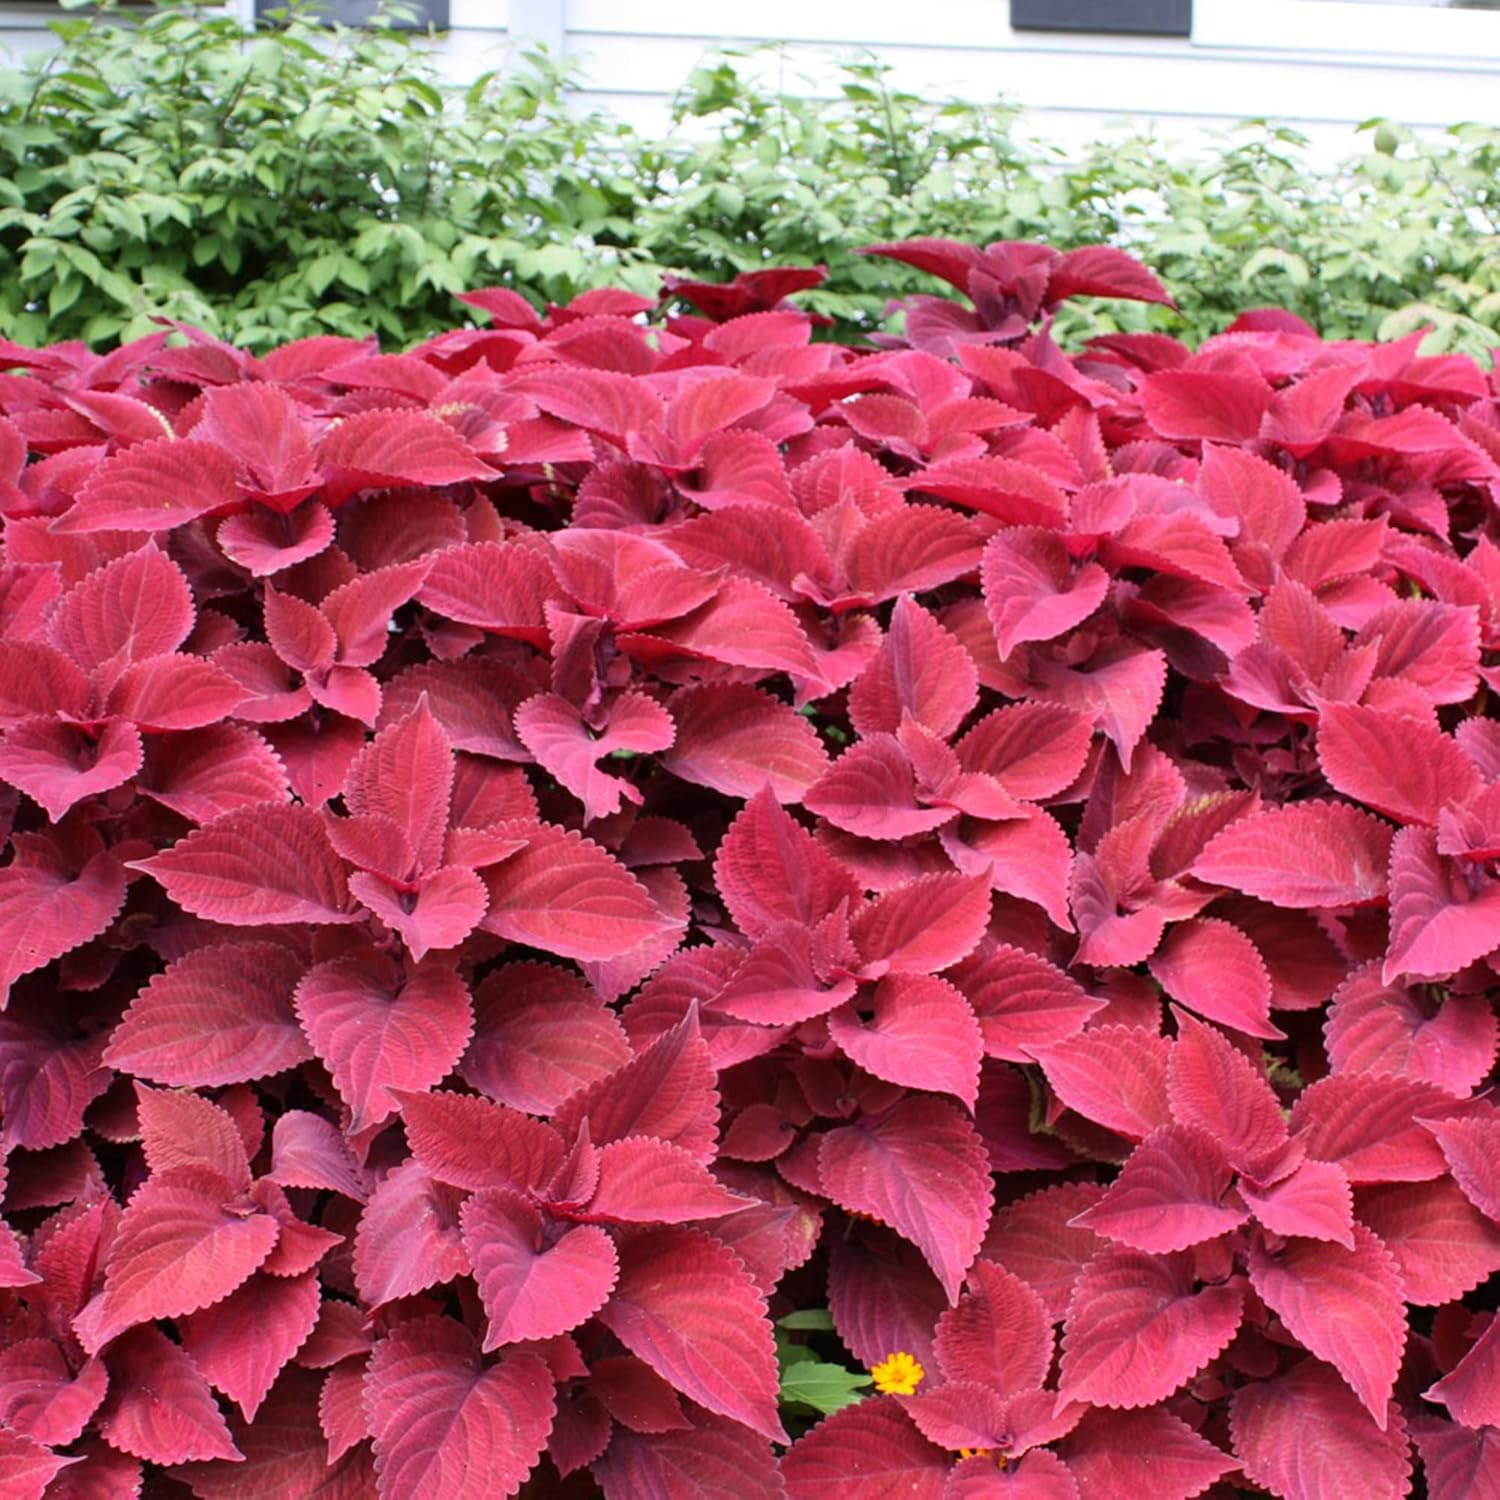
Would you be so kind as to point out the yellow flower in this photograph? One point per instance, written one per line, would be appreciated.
(974, 1452)
(899, 1374)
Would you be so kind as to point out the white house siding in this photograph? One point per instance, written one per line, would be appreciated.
(1321, 65)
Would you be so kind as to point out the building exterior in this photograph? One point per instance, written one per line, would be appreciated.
(1186, 66)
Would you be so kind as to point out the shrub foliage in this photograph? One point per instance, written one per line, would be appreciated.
(275, 184)
(633, 903)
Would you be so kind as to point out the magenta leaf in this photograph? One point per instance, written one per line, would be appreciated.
(922, 1169)
(42, 1398)
(1172, 1192)
(922, 1033)
(534, 1283)
(540, 1034)
(378, 1026)
(1308, 855)
(242, 1343)
(1471, 1389)
(998, 1334)
(408, 1237)
(872, 1444)
(180, 1246)
(1344, 1305)
(222, 1014)
(1379, 1028)
(1129, 1452)
(263, 864)
(159, 1406)
(686, 1305)
(1442, 1244)
(1137, 1329)
(1303, 1435)
(447, 1423)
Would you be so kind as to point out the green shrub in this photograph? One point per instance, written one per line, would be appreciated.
(284, 182)
(271, 185)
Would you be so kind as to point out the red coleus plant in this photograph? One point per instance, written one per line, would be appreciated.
(532, 859)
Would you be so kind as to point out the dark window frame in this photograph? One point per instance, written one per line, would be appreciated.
(1123, 17)
(426, 13)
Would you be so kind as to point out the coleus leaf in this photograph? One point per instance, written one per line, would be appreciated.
(534, 1283)
(923, 926)
(707, 1457)
(475, 1144)
(666, 1091)
(555, 732)
(873, 1444)
(922, 1033)
(1402, 767)
(1211, 967)
(1136, 1329)
(1022, 1001)
(408, 1238)
(211, 771)
(1037, 1238)
(1469, 1146)
(241, 1343)
(447, 1423)
(58, 765)
(1344, 1305)
(406, 774)
(1378, 1028)
(54, 895)
(770, 869)
(30, 1466)
(1034, 590)
(922, 670)
(1458, 1462)
(1304, 1435)
(1372, 1126)
(998, 1334)
(267, 864)
(1214, 1087)
(159, 1406)
(1314, 1202)
(135, 607)
(1442, 1244)
(1113, 1453)
(736, 738)
(540, 1034)
(564, 894)
(378, 1026)
(1113, 1075)
(648, 1181)
(1309, 854)
(1471, 1389)
(42, 1398)
(686, 1305)
(179, 1247)
(154, 486)
(222, 1014)
(1442, 918)
(882, 1295)
(921, 1168)
(1172, 1192)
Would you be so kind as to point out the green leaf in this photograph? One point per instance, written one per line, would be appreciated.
(824, 1387)
(807, 1319)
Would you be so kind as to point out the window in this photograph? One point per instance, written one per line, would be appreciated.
(1141, 17)
(410, 15)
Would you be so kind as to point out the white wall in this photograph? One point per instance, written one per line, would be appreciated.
(1322, 65)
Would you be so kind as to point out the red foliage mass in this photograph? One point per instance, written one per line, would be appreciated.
(529, 857)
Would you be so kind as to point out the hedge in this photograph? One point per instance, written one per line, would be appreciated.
(276, 184)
